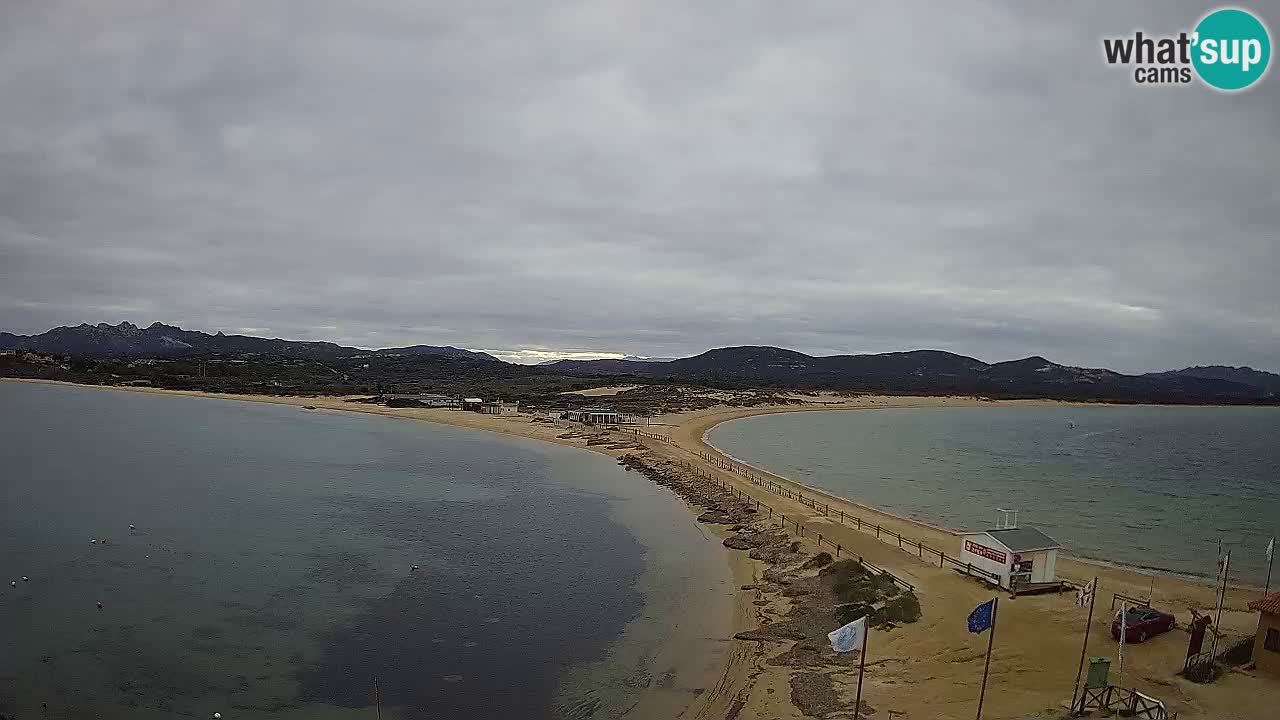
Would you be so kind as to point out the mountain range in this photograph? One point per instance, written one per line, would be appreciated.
(936, 372)
(916, 371)
(160, 340)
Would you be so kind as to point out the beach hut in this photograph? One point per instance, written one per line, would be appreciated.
(1266, 648)
(1024, 558)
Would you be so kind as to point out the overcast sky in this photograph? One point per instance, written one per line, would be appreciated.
(650, 178)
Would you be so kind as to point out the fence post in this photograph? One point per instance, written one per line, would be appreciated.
(859, 522)
(837, 549)
(877, 532)
(819, 539)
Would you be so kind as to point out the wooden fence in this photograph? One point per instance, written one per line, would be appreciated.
(800, 528)
(1125, 701)
(643, 434)
(924, 552)
(1117, 597)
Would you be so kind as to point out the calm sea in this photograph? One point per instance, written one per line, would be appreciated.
(269, 571)
(1154, 487)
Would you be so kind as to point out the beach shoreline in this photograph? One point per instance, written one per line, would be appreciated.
(927, 668)
(957, 532)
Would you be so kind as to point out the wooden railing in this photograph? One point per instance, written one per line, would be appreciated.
(643, 434)
(1127, 702)
(924, 552)
(1117, 597)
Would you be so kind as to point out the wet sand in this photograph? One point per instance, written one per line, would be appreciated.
(930, 669)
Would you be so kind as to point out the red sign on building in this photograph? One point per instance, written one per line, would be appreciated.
(986, 552)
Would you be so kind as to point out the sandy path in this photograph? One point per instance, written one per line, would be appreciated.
(930, 669)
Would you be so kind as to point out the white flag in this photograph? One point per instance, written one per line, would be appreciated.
(1271, 548)
(1124, 616)
(849, 637)
(1085, 595)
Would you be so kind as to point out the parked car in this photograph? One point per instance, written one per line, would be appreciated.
(1142, 623)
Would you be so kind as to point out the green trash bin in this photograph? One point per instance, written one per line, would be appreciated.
(1099, 669)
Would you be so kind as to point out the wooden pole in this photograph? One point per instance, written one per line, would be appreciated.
(862, 666)
(986, 668)
(1075, 689)
(1222, 600)
(1270, 560)
(377, 697)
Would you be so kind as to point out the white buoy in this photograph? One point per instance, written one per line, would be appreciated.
(93, 542)
(217, 716)
(25, 578)
(132, 526)
(414, 567)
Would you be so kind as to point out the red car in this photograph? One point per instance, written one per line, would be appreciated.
(1142, 623)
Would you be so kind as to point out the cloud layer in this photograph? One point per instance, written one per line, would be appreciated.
(649, 178)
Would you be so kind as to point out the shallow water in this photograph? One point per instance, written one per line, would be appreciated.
(1154, 487)
(269, 572)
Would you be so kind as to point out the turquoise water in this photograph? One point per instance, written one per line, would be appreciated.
(269, 573)
(1153, 487)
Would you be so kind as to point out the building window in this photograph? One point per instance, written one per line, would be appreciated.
(1272, 641)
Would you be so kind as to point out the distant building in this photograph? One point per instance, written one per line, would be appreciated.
(498, 407)
(473, 404)
(605, 416)
(418, 400)
(1266, 646)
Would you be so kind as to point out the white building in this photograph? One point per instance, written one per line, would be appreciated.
(419, 400)
(605, 416)
(498, 407)
(1023, 558)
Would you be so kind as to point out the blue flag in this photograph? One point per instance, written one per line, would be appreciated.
(980, 618)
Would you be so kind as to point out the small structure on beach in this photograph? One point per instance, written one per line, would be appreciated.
(1266, 645)
(498, 407)
(605, 416)
(1024, 558)
(418, 400)
(472, 403)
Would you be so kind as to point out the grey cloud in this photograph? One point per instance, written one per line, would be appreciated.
(643, 178)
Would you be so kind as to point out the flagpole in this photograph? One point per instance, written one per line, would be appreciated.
(862, 666)
(1124, 633)
(995, 606)
(1084, 647)
(1271, 558)
(1222, 600)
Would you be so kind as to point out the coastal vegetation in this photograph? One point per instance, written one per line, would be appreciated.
(171, 357)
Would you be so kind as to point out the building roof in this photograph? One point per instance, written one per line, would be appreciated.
(471, 400)
(1269, 604)
(1023, 539)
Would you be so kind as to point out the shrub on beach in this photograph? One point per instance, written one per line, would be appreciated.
(902, 609)
(846, 614)
(854, 590)
(844, 569)
(822, 559)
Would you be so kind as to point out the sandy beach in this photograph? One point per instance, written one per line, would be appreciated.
(929, 669)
